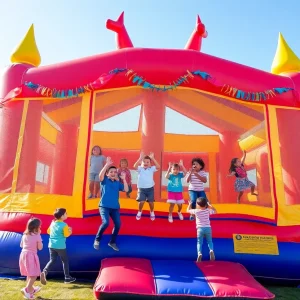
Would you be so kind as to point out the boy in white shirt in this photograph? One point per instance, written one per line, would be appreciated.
(145, 183)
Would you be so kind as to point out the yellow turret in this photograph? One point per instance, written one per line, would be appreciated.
(27, 51)
(285, 59)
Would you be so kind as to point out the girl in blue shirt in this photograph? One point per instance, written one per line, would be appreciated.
(175, 196)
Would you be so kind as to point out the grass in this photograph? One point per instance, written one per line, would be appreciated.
(285, 293)
(57, 290)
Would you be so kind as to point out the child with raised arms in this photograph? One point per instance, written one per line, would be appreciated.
(202, 212)
(145, 183)
(196, 178)
(175, 189)
(109, 205)
(242, 182)
(123, 170)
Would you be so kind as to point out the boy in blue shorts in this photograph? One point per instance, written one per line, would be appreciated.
(109, 206)
(146, 183)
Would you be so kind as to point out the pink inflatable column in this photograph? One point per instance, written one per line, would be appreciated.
(153, 128)
(10, 122)
(29, 154)
(229, 148)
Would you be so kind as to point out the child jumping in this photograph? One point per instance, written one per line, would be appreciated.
(202, 213)
(109, 206)
(123, 170)
(145, 183)
(196, 178)
(29, 261)
(175, 196)
(242, 182)
(58, 231)
(96, 164)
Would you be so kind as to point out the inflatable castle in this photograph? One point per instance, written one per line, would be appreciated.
(48, 126)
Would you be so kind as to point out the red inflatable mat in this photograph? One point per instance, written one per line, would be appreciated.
(126, 277)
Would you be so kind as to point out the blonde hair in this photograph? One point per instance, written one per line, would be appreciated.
(96, 146)
(124, 160)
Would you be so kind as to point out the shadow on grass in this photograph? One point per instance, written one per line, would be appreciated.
(78, 287)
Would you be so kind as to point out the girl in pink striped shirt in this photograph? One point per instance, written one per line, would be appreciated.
(202, 213)
(196, 178)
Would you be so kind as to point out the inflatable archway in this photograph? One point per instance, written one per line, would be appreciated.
(47, 131)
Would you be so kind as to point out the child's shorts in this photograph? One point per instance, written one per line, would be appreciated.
(194, 195)
(175, 197)
(145, 195)
(94, 177)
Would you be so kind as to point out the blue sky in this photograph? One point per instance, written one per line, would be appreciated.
(242, 31)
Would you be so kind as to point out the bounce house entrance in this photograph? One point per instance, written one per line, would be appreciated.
(184, 124)
(57, 138)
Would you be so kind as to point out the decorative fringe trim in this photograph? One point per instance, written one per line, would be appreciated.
(138, 80)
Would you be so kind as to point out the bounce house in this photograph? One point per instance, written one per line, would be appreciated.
(49, 119)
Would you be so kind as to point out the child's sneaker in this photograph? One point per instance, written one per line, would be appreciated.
(36, 289)
(212, 255)
(26, 294)
(199, 258)
(192, 217)
(43, 278)
(170, 219)
(70, 279)
(180, 215)
(114, 246)
(96, 245)
(138, 215)
(152, 216)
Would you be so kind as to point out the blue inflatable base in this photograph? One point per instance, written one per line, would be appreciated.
(85, 259)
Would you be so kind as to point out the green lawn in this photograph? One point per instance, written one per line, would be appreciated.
(285, 293)
(53, 290)
(57, 290)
